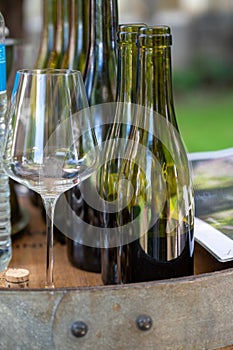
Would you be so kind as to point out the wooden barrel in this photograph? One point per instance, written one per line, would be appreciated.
(80, 313)
(190, 313)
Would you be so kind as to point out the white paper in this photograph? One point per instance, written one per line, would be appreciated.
(216, 242)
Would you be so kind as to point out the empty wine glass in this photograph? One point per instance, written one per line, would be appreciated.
(49, 144)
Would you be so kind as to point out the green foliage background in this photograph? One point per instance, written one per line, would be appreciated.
(204, 106)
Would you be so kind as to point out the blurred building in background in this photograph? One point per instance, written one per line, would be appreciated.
(202, 30)
(200, 27)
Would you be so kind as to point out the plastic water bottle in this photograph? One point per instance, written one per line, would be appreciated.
(5, 213)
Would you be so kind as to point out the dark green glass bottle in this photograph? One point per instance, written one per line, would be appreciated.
(76, 53)
(48, 33)
(126, 93)
(156, 224)
(100, 81)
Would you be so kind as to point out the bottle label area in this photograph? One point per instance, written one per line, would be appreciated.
(2, 67)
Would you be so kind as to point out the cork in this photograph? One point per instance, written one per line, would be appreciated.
(17, 278)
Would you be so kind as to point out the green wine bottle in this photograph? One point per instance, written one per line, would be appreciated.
(156, 224)
(126, 94)
(100, 82)
(76, 52)
(48, 33)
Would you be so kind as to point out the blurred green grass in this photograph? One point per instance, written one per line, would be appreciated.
(205, 118)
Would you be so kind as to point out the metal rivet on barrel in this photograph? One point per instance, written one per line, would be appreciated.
(144, 322)
(79, 329)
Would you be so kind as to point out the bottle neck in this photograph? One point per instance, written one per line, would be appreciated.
(75, 56)
(48, 32)
(155, 80)
(50, 22)
(127, 62)
(100, 69)
(62, 32)
(61, 35)
(103, 24)
(126, 72)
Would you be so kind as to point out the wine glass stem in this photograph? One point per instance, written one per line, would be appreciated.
(49, 204)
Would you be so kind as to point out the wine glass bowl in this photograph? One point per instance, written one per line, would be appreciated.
(49, 144)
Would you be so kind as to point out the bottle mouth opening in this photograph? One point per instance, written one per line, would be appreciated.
(159, 40)
(127, 37)
(131, 27)
(156, 30)
(128, 32)
(143, 35)
(159, 35)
